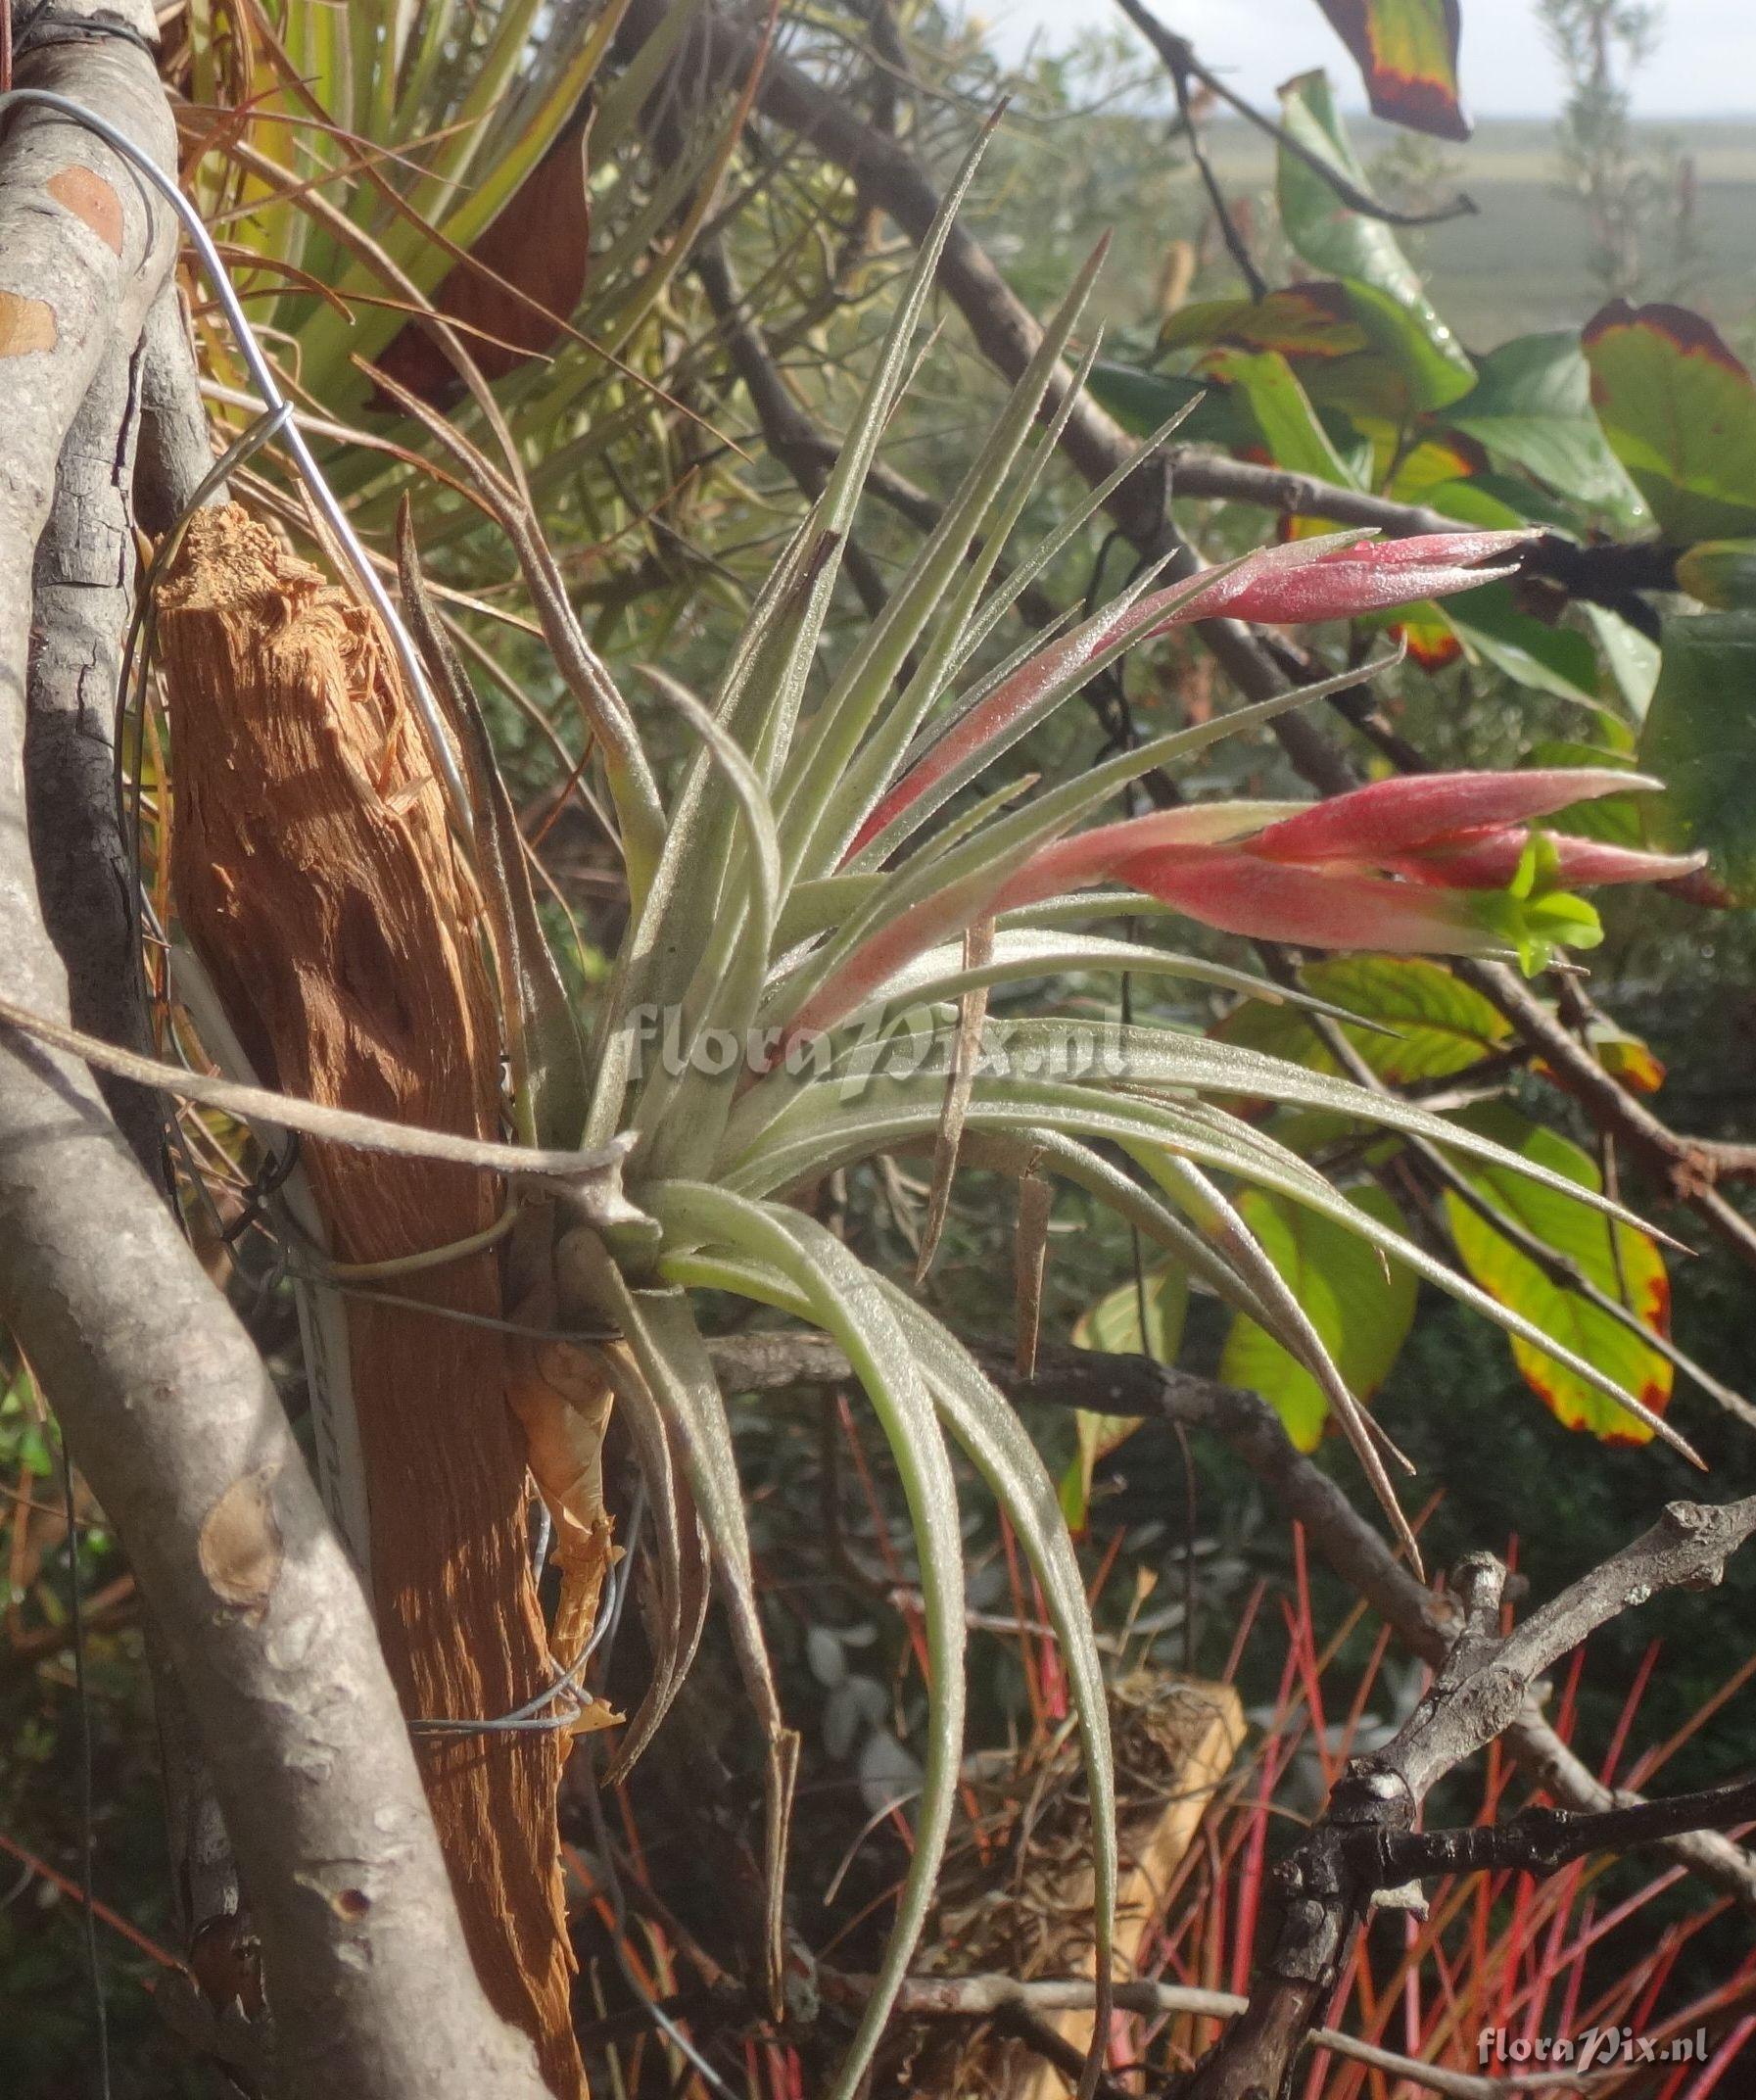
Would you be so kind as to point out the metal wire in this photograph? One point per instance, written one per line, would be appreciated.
(268, 387)
(278, 418)
(529, 1719)
(132, 689)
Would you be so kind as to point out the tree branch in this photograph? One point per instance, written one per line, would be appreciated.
(1180, 61)
(767, 1360)
(83, 600)
(176, 1424)
(988, 1997)
(1351, 1856)
(176, 452)
(790, 432)
(1538, 1841)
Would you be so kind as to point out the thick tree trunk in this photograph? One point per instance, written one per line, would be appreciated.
(165, 1399)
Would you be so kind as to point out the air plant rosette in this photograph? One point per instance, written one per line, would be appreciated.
(788, 890)
(799, 894)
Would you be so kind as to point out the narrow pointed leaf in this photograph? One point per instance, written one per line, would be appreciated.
(844, 1302)
(1362, 1307)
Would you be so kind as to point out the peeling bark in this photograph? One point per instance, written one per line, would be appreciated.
(160, 1391)
(83, 594)
(315, 877)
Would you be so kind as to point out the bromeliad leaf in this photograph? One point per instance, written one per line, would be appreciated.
(828, 1125)
(989, 1432)
(846, 1302)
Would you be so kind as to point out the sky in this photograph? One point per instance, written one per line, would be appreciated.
(1705, 65)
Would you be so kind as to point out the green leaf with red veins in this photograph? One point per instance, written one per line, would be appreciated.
(1361, 1306)
(1620, 1260)
(1680, 412)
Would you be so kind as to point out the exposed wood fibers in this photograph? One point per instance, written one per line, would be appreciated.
(315, 877)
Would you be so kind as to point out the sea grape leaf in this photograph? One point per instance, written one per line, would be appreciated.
(1429, 1024)
(1617, 819)
(1390, 303)
(1620, 1260)
(1700, 740)
(1679, 412)
(1531, 408)
(1301, 320)
(1549, 660)
(1407, 52)
(1435, 461)
(1721, 573)
(1630, 658)
(1361, 1306)
(1141, 401)
(1281, 411)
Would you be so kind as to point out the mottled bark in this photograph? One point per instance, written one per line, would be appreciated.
(84, 595)
(176, 1425)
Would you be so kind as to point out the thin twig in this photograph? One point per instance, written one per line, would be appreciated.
(991, 1997)
(1180, 61)
(1137, 1386)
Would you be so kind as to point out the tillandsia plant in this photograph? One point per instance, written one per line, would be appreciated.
(363, 168)
(789, 907)
(801, 986)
